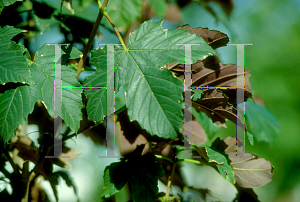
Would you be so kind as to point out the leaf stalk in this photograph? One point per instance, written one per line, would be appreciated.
(114, 27)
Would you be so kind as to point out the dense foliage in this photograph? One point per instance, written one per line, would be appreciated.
(149, 89)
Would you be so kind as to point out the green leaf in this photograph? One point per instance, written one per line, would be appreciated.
(4, 3)
(159, 6)
(13, 64)
(43, 73)
(260, 122)
(153, 94)
(220, 160)
(197, 94)
(124, 13)
(116, 175)
(15, 105)
(142, 173)
(97, 98)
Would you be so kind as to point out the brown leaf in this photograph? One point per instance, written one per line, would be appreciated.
(196, 134)
(218, 104)
(214, 38)
(249, 172)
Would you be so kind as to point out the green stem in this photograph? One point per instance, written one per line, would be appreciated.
(165, 158)
(190, 160)
(114, 27)
(170, 182)
(194, 161)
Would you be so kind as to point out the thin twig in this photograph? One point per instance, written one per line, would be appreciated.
(170, 181)
(92, 37)
(41, 160)
(163, 157)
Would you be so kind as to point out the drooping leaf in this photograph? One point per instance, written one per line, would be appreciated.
(219, 159)
(142, 173)
(4, 3)
(159, 6)
(13, 63)
(124, 13)
(15, 105)
(249, 172)
(214, 38)
(260, 122)
(43, 73)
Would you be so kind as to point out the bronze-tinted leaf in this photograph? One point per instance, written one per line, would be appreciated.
(196, 134)
(249, 172)
(218, 104)
(218, 109)
(210, 73)
(214, 38)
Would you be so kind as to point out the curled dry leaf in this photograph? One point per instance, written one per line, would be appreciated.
(248, 172)
(214, 38)
(218, 104)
